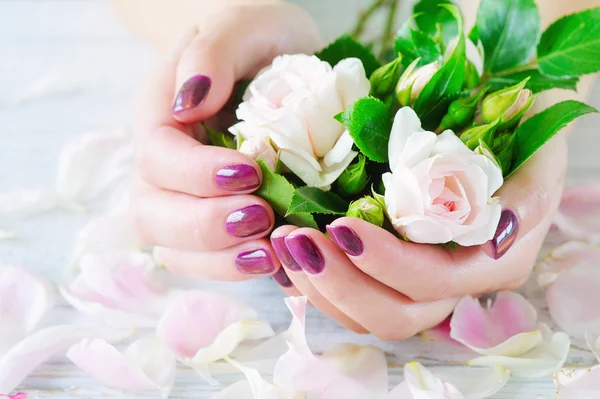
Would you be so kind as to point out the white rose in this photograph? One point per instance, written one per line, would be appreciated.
(439, 190)
(293, 103)
(258, 147)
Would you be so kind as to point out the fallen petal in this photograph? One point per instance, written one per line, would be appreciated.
(441, 332)
(423, 384)
(19, 395)
(578, 216)
(593, 342)
(504, 327)
(146, 365)
(23, 203)
(582, 383)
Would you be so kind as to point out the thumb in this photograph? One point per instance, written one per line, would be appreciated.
(234, 44)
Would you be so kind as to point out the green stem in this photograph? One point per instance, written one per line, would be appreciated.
(520, 68)
(388, 33)
(364, 17)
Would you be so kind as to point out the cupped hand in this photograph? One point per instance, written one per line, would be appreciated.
(192, 200)
(371, 281)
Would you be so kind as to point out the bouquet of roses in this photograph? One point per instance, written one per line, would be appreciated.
(421, 144)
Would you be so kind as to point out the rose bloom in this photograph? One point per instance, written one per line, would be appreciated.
(439, 190)
(293, 103)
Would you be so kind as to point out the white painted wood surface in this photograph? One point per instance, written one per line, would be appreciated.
(69, 66)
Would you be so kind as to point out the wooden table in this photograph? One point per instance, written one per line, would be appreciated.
(69, 66)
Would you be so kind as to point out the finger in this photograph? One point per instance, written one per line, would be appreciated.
(242, 262)
(168, 157)
(239, 42)
(181, 221)
(385, 312)
(305, 288)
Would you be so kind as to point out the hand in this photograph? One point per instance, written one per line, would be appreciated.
(370, 281)
(192, 200)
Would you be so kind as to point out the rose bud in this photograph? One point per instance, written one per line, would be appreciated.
(354, 179)
(485, 133)
(385, 78)
(509, 105)
(368, 209)
(461, 111)
(260, 148)
(413, 81)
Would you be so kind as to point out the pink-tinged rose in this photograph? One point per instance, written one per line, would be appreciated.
(571, 276)
(580, 383)
(578, 216)
(147, 364)
(122, 289)
(293, 103)
(260, 148)
(439, 190)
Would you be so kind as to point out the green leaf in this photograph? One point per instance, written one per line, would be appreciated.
(509, 31)
(571, 45)
(368, 122)
(430, 16)
(354, 179)
(540, 128)
(414, 44)
(220, 139)
(315, 200)
(446, 84)
(537, 82)
(278, 192)
(346, 47)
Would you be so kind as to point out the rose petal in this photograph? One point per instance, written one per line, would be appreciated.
(593, 342)
(29, 353)
(564, 258)
(423, 384)
(542, 360)
(340, 150)
(505, 327)
(406, 122)
(441, 332)
(19, 395)
(22, 203)
(352, 81)
(578, 216)
(93, 162)
(582, 383)
(146, 365)
(417, 147)
(25, 298)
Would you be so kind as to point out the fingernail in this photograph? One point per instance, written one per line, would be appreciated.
(254, 262)
(506, 233)
(248, 221)
(306, 253)
(240, 177)
(282, 279)
(192, 93)
(284, 254)
(346, 239)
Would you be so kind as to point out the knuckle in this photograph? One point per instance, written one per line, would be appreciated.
(198, 226)
(337, 293)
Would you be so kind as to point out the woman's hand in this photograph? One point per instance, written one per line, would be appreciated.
(192, 200)
(370, 281)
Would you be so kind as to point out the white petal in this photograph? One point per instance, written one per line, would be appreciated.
(21, 203)
(449, 143)
(93, 162)
(417, 147)
(476, 382)
(545, 359)
(406, 122)
(340, 150)
(424, 385)
(312, 177)
(28, 354)
(352, 81)
(593, 342)
(581, 383)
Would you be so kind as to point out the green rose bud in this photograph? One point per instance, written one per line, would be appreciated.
(413, 81)
(354, 179)
(503, 146)
(385, 78)
(461, 111)
(509, 105)
(471, 137)
(367, 209)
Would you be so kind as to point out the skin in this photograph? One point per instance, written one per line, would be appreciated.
(393, 289)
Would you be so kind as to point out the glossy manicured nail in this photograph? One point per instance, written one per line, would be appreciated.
(282, 278)
(236, 178)
(506, 233)
(192, 93)
(346, 239)
(254, 262)
(284, 255)
(248, 221)
(306, 253)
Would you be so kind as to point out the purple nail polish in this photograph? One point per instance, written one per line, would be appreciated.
(506, 233)
(306, 253)
(248, 221)
(239, 177)
(282, 279)
(192, 93)
(254, 262)
(346, 239)
(284, 255)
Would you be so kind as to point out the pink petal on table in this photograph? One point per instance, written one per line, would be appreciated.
(146, 365)
(196, 318)
(19, 395)
(578, 216)
(32, 351)
(593, 342)
(441, 332)
(563, 259)
(25, 297)
(506, 326)
(582, 383)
